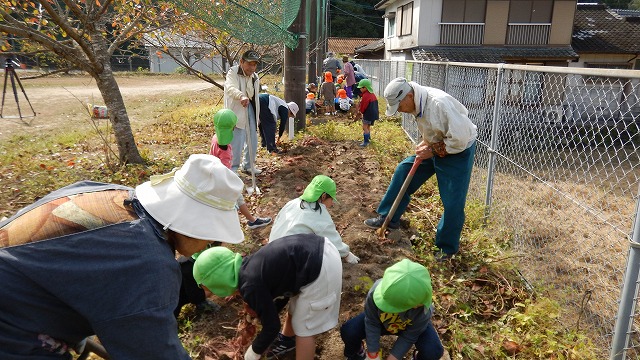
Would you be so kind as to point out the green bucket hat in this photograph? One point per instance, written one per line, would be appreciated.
(319, 185)
(218, 269)
(405, 285)
(365, 83)
(223, 122)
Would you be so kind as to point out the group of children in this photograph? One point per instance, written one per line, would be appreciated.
(333, 98)
(301, 267)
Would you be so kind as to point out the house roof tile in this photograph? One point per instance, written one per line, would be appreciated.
(492, 54)
(371, 47)
(597, 29)
(347, 46)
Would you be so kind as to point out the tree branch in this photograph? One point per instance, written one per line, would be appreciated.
(71, 32)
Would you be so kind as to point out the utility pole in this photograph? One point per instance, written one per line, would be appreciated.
(312, 72)
(295, 67)
(322, 34)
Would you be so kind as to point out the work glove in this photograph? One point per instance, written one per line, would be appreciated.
(439, 149)
(251, 355)
(352, 259)
(376, 356)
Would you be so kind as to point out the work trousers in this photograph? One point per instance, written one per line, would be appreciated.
(267, 126)
(453, 173)
(239, 143)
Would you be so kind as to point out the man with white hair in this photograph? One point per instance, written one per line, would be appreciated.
(332, 65)
(446, 150)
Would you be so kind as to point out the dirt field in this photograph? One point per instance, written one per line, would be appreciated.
(60, 102)
(59, 105)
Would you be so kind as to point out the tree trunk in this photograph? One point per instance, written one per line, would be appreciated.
(106, 82)
(127, 149)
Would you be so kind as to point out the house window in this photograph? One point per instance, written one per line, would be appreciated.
(463, 11)
(530, 11)
(608, 65)
(391, 30)
(405, 14)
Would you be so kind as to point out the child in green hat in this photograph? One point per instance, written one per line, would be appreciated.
(398, 304)
(224, 121)
(302, 270)
(368, 109)
(308, 214)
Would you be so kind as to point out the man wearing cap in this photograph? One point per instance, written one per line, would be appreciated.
(398, 304)
(302, 270)
(447, 150)
(99, 259)
(241, 89)
(309, 214)
(332, 65)
(271, 108)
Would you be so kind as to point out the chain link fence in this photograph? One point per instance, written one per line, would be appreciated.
(557, 164)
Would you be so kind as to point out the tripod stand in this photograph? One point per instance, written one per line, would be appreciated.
(9, 72)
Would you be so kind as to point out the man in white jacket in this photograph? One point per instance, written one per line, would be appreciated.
(241, 89)
(447, 150)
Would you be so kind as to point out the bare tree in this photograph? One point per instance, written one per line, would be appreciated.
(86, 33)
(192, 40)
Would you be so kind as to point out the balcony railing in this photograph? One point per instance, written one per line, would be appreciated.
(461, 33)
(528, 34)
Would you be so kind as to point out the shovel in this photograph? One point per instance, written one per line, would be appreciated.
(383, 229)
(254, 188)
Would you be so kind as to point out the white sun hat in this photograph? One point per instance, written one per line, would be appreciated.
(198, 200)
(293, 107)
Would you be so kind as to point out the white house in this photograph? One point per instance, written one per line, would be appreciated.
(489, 31)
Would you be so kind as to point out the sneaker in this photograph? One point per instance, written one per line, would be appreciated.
(207, 306)
(327, 113)
(361, 355)
(260, 222)
(282, 345)
(255, 171)
(377, 222)
(442, 256)
(365, 144)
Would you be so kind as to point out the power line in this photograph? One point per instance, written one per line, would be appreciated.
(363, 6)
(357, 17)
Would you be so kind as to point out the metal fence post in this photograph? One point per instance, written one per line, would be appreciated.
(446, 78)
(624, 320)
(495, 122)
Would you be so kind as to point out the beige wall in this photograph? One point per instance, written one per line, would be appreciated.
(495, 24)
(561, 27)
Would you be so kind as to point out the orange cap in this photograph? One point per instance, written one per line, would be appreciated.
(328, 77)
(342, 93)
(311, 95)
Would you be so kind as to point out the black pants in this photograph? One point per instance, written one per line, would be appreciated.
(267, 127)
(190, 292)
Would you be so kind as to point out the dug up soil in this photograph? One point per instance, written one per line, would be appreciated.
(360, 187)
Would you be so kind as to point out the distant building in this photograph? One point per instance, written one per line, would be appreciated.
(606, 38)
(347, 46)
(197, 53)
(486, 31)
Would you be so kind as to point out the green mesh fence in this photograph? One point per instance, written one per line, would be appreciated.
(259, 22)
